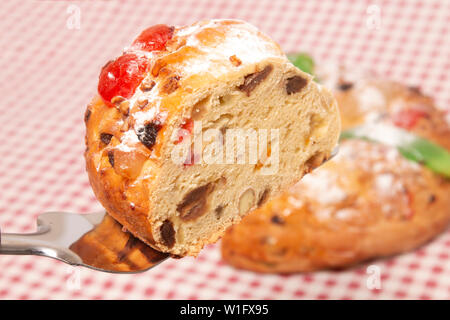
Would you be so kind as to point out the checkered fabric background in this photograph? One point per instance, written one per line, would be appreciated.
(49, 72)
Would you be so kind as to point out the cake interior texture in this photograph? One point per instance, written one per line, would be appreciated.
(196, 203)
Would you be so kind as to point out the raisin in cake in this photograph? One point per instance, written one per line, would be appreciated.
(216, 82)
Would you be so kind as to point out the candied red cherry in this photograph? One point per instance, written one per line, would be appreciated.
(122, 76)
(188, 125)
(153, 38)
(186, 131)
(408, 118)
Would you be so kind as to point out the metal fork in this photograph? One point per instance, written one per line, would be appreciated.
(93, 240)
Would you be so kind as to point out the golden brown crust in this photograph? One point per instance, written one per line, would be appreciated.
(367, 202)
(110, 188)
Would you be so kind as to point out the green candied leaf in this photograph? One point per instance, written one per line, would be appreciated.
(302, 61)
(430, 154)
(347, 134)
(350, 134)
(411, 154)
(412, 147)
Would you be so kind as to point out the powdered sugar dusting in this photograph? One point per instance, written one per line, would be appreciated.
(323, 186)
(374, 157)
(385, 133)
(297, 203)
(384, 182)
(370, 98)
(346, 213)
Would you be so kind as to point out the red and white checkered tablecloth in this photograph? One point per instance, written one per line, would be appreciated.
(49, 71)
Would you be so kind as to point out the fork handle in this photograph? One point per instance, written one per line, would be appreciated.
(22, 244)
